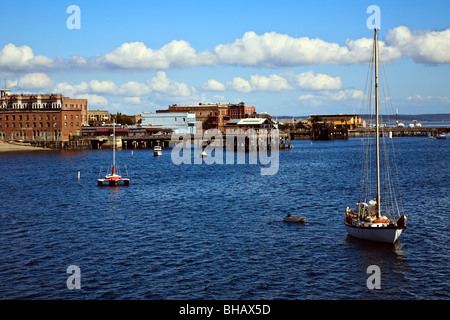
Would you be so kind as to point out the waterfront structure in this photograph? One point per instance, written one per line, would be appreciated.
(350, 121)
(123, 131)
(97, 117)
(48, 117)
(241, 125)
(213, 116)
(178, 122)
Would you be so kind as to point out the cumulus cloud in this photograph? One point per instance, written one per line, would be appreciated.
(347, 95)
(213, 85)
(93, 99)
(429, 47)
(136, 55)
(309, 81)
(22, 58)
(31, 81)
(279, 50)
(272, 83)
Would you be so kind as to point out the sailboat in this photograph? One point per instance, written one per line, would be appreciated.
(112, 179)
(377, 219)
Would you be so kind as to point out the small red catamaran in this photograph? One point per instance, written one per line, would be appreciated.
(112, 179)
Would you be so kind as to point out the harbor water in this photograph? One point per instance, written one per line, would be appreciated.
(194, 231)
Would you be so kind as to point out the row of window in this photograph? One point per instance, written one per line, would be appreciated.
(34, 125)
(27, 117)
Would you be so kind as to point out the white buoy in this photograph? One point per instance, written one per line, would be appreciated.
(79, 175)
(390, 134)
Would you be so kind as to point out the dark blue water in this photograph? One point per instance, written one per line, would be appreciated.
(216, 231)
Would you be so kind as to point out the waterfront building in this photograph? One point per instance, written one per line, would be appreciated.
(97, 117)
(178, 122)
(242, 125)
(213, 116)
(41, 116)
(350, 121)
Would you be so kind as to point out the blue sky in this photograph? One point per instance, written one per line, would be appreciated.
(283, 57)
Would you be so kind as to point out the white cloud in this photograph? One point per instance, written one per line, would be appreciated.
(93, 99)
(279, 50)
(136, 55)
(434, 99)
(213, 85)
(31, 81)
(160, 83)
(22, 58)
(102, 87)
(429, 47)
(132, 100)
(239, 84)
(347, 95)
(272, 83)
(309, 81)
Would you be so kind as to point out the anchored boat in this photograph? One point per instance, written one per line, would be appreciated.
(157, 151)
(112, 179)
(377, 219)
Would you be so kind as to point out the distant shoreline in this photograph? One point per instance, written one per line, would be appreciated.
(15, 147)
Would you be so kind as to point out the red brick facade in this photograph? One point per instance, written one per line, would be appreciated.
(41, 117)
(214, 116)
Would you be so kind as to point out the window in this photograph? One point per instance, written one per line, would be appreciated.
(20, 117)
(65, 124)
(28, 117)
(65, 117)
(13, 118)
(77, 124)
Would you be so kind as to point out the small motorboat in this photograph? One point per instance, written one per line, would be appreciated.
(157, 151)
(293, 219)
(441, 136)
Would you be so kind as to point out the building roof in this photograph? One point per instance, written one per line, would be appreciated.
(252, 121)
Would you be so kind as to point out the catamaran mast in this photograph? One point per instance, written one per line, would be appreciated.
(114, 147)
(377, 124)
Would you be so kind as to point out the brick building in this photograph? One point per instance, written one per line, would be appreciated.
(40, 116)
(213, 116)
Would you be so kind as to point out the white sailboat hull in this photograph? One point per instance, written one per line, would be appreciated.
(380, 234)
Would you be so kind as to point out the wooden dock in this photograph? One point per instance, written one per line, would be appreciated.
(401, 131)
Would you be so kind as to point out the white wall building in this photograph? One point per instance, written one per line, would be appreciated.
(179, 122)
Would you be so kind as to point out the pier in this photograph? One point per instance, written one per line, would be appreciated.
(328, 132)
(401, 131)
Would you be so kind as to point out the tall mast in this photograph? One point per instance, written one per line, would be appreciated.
(114, 147)
(377, 124)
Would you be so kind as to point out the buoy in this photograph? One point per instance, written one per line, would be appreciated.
(78, 175)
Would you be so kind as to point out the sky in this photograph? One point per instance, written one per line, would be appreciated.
(286, 58)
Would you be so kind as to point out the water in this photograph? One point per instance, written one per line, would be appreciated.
(216, 231)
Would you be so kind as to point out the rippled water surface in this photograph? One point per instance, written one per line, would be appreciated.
(216, 231)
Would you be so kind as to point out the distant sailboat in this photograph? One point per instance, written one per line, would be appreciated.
(112, 179)
(379, 218)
